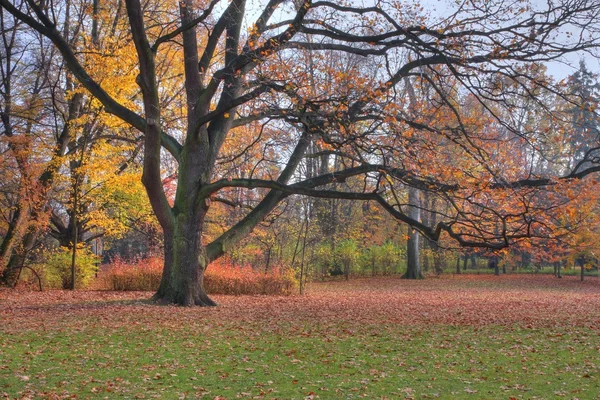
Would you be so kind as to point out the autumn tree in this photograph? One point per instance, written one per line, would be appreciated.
(584, 95)
(66, 156)
(35, 135)
(233, 76)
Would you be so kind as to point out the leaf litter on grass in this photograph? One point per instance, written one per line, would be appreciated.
(437, 338)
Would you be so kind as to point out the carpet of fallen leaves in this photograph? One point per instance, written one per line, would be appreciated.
(481, 337)
(525, 300)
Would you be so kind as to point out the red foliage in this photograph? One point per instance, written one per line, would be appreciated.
(221, 277)
(140, 274)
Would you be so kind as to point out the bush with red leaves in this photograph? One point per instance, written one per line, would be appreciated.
(222, 277)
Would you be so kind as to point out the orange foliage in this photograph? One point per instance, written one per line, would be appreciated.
(140, 274)
(221, 277)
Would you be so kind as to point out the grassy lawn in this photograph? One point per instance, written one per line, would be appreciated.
(479, 337)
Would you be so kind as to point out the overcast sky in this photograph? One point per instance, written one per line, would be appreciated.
(438, 9)
(559, 69)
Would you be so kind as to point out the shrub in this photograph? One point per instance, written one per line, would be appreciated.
(221, 277)
(140, 274)
(55, 269)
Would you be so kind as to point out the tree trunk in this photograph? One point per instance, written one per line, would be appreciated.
(582, 264)
(185, 264)
(425, 258)
(268, 262)
(431, 220)
(438, 264)
(458, 264)
(493, 263)
(14, 233)
(413, 265)
(558, 275)
(346, 270)
(17, 260)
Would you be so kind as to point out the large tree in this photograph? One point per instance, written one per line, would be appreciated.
(232, 76)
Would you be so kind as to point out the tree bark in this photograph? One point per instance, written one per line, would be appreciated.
(493, 263)
(558, 274)
(413, 265)
(13, 235)
(185, 264)
(18, 258)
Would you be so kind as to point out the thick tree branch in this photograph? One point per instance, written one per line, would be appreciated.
(187, 25)
(152, 134)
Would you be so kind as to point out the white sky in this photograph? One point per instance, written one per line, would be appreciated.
(559, 69)
(442, 8)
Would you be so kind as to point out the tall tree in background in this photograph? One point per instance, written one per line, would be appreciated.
(584, 91)
(232, 76)
(413, 259)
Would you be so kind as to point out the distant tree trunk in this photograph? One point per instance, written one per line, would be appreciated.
(458, 264)
(425, 256)
(493, 263)
(558, 274)
(438, 264)
(557, 266)
(302, 272)
(435, 248)
(465, 261)
(346, 270)
(74, 242)
(525, 259)
(413, 266)
(268, 260)
(425, 218)
(473, 261)
(74, 259)
(581, 261)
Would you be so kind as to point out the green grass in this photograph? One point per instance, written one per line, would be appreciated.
(371, 361)
(376, 339)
